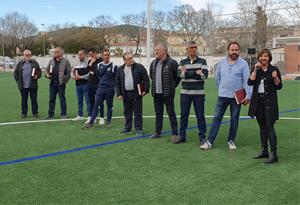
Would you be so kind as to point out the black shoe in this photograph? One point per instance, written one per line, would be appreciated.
(35, 115)
(23, 116)
(179, 141)
(49, 118)
(108, 125)
(272, 158)
(64, 117)
(155, 136)
(262, 155)
(124, 132)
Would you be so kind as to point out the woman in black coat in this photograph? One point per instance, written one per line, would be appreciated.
(266, 80)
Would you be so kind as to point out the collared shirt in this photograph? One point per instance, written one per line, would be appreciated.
(232, 77)
(26, 74)
(158, 78)
(128, 78)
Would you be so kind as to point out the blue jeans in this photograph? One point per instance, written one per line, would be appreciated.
(222, 104)
(82, 92)
(185, 106)
(107, 95)
(56, 88)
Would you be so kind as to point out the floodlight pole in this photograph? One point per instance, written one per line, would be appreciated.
(149, 2)
(3, 50)
(43, 34)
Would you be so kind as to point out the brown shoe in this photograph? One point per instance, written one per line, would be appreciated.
(87, 126)
(174, 138)
(155, 136)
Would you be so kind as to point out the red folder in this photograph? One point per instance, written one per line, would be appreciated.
(239, 95)
(141, 88)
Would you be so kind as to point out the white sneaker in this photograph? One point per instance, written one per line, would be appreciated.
(231, 145)
(206, 145)
(88, 120)
(78, 118)
(101, 121)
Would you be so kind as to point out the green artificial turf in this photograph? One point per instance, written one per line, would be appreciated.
(143, 171)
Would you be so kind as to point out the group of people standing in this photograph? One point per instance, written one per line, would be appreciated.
(99, 80)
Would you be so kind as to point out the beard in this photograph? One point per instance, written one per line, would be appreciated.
(233, 56)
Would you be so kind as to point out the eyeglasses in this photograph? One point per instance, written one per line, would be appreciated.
(128, 58)
(193, 47)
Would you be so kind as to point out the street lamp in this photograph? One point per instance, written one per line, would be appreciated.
(43, 34)
(2, 40)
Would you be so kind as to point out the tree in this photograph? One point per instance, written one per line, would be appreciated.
(293, 9)
(260, 29)
(136, 25)
(74, 39)
(160, 26)
(187, 22)
(103, 24)
(102, 21)
(211, 23)
(160, 20)
(55, 27)
(19, 31)
(247, 18)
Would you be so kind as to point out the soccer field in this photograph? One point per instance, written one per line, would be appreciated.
(59, 163)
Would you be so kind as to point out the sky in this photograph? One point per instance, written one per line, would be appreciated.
(49, 12)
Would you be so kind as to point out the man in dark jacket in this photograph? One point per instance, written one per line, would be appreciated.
(27, 72)
(163, 73)
(58, 72)
(132, 83)
(93, 82)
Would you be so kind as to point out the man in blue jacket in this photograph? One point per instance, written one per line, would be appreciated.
(232, 74)
(106, 88)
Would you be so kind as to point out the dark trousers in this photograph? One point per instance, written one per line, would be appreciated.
(33, 97)
(159, 102)
(185, 106)
(267, 131)
(133, 104)
(102, 96)
(222, 104)
(56, 88)
(92, 90)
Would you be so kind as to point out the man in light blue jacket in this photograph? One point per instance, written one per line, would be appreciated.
(231, 75)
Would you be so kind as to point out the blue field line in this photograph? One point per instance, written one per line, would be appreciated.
(17, 161)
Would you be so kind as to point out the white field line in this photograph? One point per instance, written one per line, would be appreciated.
(121, 117)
